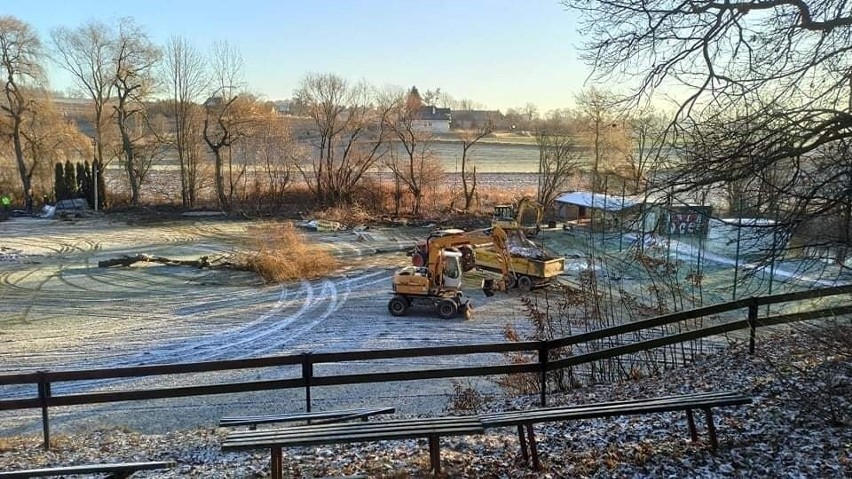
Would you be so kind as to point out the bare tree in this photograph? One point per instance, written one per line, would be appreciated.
(273, 146)
(414, 165)
(225, 117)
(186, 77)
(350, 135)
(530, 113)
(49, 138)
(604, 131)
(783, 66)
(88, 53)
(559, 157)
(135, 59)
(647, 149)
(469, 140)
(20, 51)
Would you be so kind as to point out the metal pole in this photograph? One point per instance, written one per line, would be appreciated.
(95, 181)
(542, 360)
(737, 258)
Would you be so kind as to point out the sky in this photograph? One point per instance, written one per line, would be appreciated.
(499, 53)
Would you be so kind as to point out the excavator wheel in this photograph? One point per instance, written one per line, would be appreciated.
(417, 259)
(398, 306)
(447, 309)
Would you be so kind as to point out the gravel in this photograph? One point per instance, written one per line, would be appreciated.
(784, 433)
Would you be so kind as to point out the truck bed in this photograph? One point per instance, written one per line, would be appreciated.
(543, 268)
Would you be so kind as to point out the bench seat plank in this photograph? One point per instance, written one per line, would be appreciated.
(352, 432)
(622, 408)
(337, 433)
(117, 469)
(525, 420)
(342, 415)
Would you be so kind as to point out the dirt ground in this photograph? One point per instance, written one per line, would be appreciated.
(60, 311)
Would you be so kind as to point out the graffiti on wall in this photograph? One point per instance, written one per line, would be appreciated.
(687, 220)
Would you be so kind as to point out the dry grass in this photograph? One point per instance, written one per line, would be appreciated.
(279, 253)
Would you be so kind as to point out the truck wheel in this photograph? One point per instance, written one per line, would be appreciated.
(525, 283)
(398, 306)
(447, 309)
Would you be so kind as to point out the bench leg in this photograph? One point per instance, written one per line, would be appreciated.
(276, 462)
(693, 434)
(434, 454)
(533, 449)
(522, 440)
(120, 475)
(711, 429)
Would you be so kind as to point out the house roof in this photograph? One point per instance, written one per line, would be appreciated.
(598, 201)
(433, 113)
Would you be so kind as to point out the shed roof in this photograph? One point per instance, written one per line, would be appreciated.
(598, 201)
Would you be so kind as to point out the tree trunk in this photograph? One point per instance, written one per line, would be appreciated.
(26, 182)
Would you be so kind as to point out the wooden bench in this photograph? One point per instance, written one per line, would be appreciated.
(525, 420)
(338, 433)
(117, 470)
(311, 417)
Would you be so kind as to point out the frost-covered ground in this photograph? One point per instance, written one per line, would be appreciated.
(59, 311)
(780, 435)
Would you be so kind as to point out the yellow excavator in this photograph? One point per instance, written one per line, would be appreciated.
(437, 280)
(525, 216)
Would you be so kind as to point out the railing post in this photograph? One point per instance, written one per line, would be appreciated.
(307, 375)
(543, 348)
(752, 324)
(43, 395)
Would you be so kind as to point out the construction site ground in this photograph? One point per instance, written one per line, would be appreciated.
(60, 311)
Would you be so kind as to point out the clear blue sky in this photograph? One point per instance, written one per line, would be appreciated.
(501, 53)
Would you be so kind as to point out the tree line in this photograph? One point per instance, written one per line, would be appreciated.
(145, 102)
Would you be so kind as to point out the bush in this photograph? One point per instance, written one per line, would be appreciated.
(279, 253)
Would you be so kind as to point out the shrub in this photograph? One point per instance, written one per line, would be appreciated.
(279, 253)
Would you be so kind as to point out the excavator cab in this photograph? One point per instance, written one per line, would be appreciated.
(504, 213)
(526, 216)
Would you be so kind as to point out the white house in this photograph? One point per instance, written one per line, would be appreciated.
(432, 119)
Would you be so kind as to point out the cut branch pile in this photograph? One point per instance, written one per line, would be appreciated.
(201, 263)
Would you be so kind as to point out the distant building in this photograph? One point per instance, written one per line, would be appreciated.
(282, 107)
(475, 119)
(432, 119)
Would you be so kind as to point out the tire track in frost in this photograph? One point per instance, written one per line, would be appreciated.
(310, 326)
(219, 345)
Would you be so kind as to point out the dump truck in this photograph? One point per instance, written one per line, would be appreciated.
(530, 265)
(435, 277)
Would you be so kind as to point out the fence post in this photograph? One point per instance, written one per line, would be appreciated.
(543, 348)
(43, 394)
(307, 375)
(752, 324)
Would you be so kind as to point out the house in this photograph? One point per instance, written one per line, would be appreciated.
(475, 119)
(432, 119)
